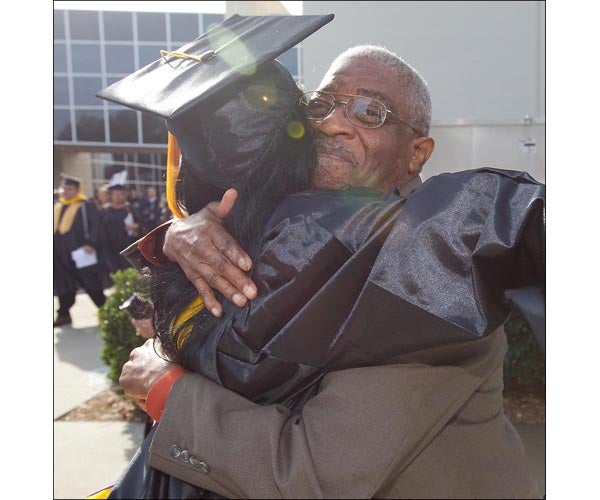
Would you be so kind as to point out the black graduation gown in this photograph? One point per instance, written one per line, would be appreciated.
(350, 278)
(115, 237)
(66, 277)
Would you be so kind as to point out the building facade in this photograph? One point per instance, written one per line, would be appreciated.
(93, 138)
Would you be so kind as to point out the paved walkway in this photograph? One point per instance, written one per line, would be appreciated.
(91, 455)
(87, 455)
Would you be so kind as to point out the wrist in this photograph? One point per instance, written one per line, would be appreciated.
(159, 392)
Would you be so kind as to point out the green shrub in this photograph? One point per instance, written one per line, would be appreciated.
(525, 363)
(116, 329)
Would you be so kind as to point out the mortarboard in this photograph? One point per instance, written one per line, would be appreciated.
(70, 180)
(118, 180)
(211, 86)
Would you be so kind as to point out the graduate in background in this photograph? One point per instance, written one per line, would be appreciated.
(120, 224)
(75, 241)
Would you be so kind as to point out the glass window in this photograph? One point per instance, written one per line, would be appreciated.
(151, 27)
(119, 59)
(118, 26)
(211, 20)
(59, 24)
(60, 58)
(154, 129)
(184, 27)
(84, 25)
(149, 53)
(123, 125)
(85, 89)
(289, 59)
(112, 79)
(90, 125)
(85, 58)
(61, 91)
(62, 125)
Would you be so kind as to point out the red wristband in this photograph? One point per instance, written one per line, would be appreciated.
(159, 392)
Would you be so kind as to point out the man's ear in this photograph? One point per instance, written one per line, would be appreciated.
(422, 147)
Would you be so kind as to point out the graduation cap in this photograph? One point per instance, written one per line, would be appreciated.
(118, 181)
(70, 180)
(222, 95)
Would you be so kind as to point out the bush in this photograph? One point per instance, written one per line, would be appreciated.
(525, 363)
(115, 327)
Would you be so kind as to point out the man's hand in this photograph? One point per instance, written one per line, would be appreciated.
(143, 369)
(209, 256)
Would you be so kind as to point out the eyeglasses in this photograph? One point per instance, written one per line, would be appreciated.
(360, 110)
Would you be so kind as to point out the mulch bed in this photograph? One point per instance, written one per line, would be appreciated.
(108, 406)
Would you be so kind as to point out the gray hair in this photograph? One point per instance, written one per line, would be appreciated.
(417, 98)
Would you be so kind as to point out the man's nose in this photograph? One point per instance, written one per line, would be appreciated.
(335, 123)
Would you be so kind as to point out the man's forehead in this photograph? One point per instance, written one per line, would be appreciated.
(363, 77)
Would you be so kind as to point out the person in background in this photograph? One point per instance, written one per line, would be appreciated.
(102, 197)
(150, 210)
(120, 224)
(76, 225)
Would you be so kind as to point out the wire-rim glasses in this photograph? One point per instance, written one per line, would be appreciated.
(362, 111)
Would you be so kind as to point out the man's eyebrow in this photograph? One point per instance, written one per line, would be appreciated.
(375, 94)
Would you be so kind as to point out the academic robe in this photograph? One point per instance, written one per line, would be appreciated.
(350, 279)
(66, 277)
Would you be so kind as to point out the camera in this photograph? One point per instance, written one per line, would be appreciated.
(137, 307)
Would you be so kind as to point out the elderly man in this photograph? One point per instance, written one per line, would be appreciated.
(426, 428)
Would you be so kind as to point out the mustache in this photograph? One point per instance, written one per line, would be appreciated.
(331, 146)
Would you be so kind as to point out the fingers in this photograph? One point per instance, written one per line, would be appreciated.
(227, 202)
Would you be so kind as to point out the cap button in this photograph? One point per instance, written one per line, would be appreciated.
(208, 55)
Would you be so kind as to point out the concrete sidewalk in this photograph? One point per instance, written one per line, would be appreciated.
(91, 455)
(87, 455)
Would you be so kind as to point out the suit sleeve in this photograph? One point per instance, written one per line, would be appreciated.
(362, 429)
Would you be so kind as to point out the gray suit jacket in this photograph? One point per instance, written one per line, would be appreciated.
(431, 426)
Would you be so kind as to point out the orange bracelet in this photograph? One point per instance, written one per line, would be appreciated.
(159, 392)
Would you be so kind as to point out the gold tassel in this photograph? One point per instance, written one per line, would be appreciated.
(173, 155)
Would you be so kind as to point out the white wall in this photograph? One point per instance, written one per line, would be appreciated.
(484, 62)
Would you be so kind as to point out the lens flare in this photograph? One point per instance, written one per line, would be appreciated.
(295, 129)
(231, 50)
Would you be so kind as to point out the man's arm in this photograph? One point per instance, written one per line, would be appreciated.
(359, 432)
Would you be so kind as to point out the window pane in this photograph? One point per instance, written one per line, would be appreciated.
(59, 24)
(61, 91)
(62, 125)
(85, 58)
(118, 26)
(90, 125)
(211, 20)
(119, 59)
(151, 27)
(289, 59)
(149, 53)
(123, 126)
(85, 89)
(184, 27)
(112, 79)
(60, 58)
(84, 25)
(154, 129)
